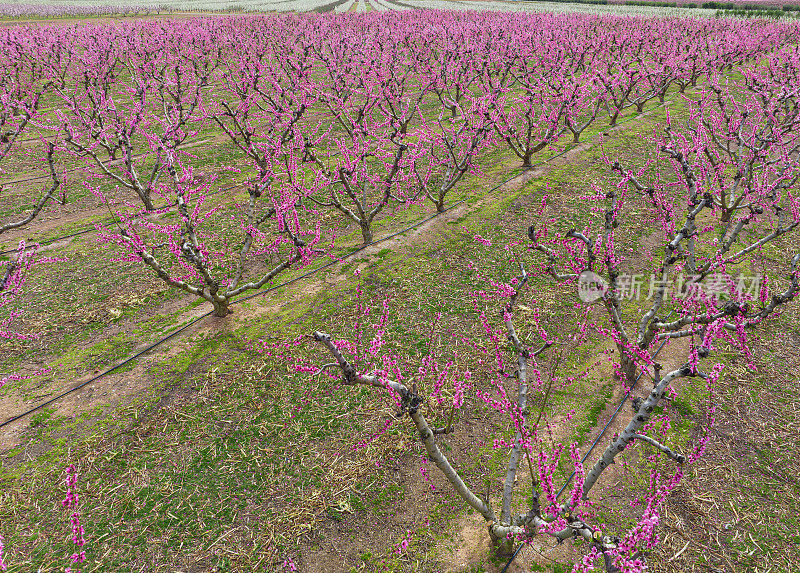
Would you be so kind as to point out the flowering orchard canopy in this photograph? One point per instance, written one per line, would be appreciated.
(335, 123)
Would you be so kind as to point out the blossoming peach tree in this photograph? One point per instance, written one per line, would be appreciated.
(724, 199)
(25, 79)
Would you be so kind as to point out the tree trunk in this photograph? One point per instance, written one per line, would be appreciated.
(222, 308)
(148, 202)
(503, 548)
(526, 159)
(366, 233)
(627, 365)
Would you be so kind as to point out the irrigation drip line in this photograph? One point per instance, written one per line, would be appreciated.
(117, 162)
(105, 373)
(513, 557)
(49, 241)
(619, 407)
(110, 163)
(591, 448)
(614, 415)
(29, 139)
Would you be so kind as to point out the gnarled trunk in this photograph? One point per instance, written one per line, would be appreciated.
(222, 308)
(366, 233)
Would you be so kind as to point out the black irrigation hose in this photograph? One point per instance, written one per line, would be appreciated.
(49, 241)
(591, 449)
(513, 556)
(89, 230)
(112, 162)
(111, 220)
(109, 371)
(614, 415)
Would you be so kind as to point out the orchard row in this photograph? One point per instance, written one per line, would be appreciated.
(344, 114)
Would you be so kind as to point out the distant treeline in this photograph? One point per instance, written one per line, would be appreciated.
(747, 7)
(728, 8)
(788, 11)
